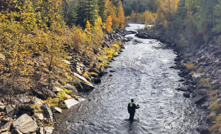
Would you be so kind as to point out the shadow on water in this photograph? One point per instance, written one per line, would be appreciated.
(143, 73)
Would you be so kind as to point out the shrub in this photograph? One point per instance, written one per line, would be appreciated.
(190, 66)
(36, 107)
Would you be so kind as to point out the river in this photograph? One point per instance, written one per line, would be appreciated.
(142, 72)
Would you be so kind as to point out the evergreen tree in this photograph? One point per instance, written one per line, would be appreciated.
(120, 14)
(102, 9)
(86, 11)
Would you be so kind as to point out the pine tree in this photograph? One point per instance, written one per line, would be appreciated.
(102, 10)
(86, 11)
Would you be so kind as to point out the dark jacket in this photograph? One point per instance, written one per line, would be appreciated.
(132, 109)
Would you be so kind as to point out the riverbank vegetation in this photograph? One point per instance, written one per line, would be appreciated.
(43, 44)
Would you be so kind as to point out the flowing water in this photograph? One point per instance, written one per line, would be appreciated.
(143, 73)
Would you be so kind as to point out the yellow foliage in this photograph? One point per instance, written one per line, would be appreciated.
(190, 66)
(85, 74)
(109, 24)
(116, 46)
(93, 73)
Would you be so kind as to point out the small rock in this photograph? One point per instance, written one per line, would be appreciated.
(48, 130)
(112, 71)
(58, 109)
(7, 126)
(67, 62)
(47, 111)
(2, 107)
(57, 89)
(23, 98)
(40, 116)
(70, 102)
(36, 100)
(25, 124)
(41, 130)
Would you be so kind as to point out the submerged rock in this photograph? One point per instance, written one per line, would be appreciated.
(203, 129)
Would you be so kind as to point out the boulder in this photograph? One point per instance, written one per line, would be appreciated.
(37, 101)
(10, 109)
(199, 99)
(43, 93)
(25, 124)
(70, 102)
(7, 126)
(2, 107)
(70, 87)
(47, 111)
(186, 94)
(58, 109)
(85, 84)
(23, 98)
(203, 129)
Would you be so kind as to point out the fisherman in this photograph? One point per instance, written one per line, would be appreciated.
(131, 109)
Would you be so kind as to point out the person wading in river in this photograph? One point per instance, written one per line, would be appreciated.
(132, 109)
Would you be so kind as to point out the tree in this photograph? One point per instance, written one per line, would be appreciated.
(86, 11)
(133, 16)
(121, 15)
(102, 10)
(109, 24)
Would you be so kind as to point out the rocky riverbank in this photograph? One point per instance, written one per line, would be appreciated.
(32, 110)
(200, 68)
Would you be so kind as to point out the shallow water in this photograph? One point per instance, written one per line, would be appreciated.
(142, 73)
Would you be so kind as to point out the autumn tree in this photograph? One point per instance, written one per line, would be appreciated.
(120, 15)
(108, 24)
(133, 16)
